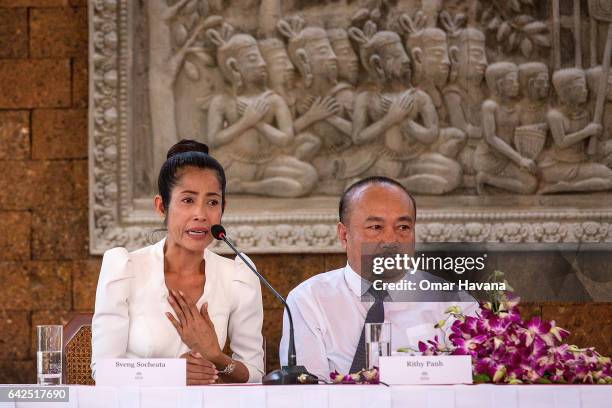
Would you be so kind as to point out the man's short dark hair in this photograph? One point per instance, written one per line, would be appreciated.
(347, 197)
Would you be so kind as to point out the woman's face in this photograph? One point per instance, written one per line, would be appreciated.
(195, 206)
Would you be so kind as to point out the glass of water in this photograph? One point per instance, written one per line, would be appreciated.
(377, 342)
(49, 354)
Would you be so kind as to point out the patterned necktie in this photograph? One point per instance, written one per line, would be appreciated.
(376, 314)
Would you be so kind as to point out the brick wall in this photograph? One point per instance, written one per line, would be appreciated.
(45, 267)
(43, 173)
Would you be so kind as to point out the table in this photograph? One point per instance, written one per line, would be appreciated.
(336, 396)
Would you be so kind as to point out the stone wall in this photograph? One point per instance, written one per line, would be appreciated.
(45, 267)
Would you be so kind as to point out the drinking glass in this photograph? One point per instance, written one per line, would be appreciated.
(49, 354)
(377, 342)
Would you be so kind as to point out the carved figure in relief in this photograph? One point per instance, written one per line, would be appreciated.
(281, 72)
(397, 123)
(565, 166)
(324, 105)
(348, 63)
(496, 159)
(429, 50)
(535, 89)
(530, 136)
(464, 95)
(604, 154)
(248, 127)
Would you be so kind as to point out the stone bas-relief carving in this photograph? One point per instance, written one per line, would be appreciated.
(467, 101)
(457, 138)
(566, 167)
(403, 118)
(496, 159)
(249, 125)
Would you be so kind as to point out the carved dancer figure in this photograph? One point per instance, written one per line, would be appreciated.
(324, 105)
(429, 50)
(464, 95)
(246, 128)
(565, 166)
(397, 123)
(496, 161)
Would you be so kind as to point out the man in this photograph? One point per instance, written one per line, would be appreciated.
(327, 309)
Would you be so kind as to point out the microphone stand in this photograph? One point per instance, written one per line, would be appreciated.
(290, 373)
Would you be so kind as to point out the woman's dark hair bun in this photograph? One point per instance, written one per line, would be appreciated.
(185, 146)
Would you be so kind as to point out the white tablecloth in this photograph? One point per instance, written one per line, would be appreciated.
(337, 396)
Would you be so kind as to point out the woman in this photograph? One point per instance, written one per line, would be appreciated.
(167, 300)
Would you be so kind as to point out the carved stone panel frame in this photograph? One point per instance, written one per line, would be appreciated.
(272, 225)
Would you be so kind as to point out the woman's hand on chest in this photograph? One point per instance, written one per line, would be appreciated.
(194, 326)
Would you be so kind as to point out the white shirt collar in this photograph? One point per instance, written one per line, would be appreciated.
(355, 282)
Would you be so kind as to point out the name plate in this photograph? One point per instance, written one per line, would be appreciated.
(405, 370)
(141, 372)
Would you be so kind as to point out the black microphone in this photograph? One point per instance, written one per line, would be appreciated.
(290, 373)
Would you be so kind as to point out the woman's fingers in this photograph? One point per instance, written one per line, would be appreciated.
(177, 308)
(202, 372)
(197, 359)
(204, 312)
(180, 298)
(174, 322)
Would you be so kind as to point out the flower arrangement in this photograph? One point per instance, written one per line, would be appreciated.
(506, 349)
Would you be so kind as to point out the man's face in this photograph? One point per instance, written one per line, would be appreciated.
(323, 61)
(436, 64)
(252, 66)
(379, 216)
(395, 62)
(348, 64)
(472, 60)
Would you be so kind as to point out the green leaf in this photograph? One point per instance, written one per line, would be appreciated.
(440, 324)
(481, 378)
(454, 309)
(544, 380)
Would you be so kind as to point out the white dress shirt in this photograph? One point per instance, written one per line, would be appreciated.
(328, 316)
(132, 299)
